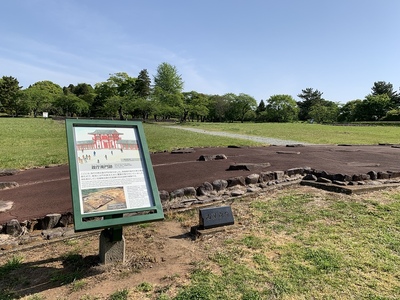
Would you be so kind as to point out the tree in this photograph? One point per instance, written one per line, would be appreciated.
(217, 108)
(11, 98)
(372, 108)
(142, 85)
(347, 111)
(168, 79)
(68, 104)
(386, 88)
(168, 86)
(310, 98)
(261, 107)
(41, 96)
(85, 92)
(118, 90)
(195, 106)
(239, 106)
(324, 112)
(281, 108)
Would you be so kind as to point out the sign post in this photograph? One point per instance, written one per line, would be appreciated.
(112, 179)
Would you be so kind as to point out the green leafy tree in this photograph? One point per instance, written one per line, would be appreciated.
(386, 88)
(218, 107)
(195, 106)
(11, 99)
(309, 98)
(41, 96)
(347, 113)
(85, 92)
(117, 90)
(281, 108)
(326, 112)
(168, 86)
(239, 106)
(372, 108)
(68, 104)
(167, 79)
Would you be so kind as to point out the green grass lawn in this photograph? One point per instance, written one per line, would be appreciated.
(311, 133)
(305, 245)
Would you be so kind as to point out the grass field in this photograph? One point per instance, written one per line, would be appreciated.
(306, 245)
(311, 133)
(28, 142)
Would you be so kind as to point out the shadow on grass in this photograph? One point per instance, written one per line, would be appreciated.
(18, 279)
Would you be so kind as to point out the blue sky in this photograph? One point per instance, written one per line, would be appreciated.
(256, 47)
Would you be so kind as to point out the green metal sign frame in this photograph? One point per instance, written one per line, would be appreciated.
(112, 178)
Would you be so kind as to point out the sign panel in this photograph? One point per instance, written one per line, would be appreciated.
(112, 179)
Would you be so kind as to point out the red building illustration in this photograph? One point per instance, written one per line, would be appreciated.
(106, 139)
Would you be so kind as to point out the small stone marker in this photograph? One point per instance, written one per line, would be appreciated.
(215, 217)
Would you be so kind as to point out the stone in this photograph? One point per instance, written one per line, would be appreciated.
(288, 152)
(248, 166)
(341, 177)
(8, 185)
(66, 219)
(324, 180)
(252, 178)
(279, 175)
(295, 171)
(189, 191)
(220, 184)
(50, 221)
(205, 189)
(8, 172)
(310, 177)
(373, 175)
(383, 175)
(212, 157)
(183, 150)
(394, 174)
(237, 193)
(5, 205)
(267, 176)
(294, 145)
(57, 232)
(164, 196)
(177, 193)
(342, 183)
(360, 177)
(53, 233)
(253, 189)
(236, 181)
(13, 228)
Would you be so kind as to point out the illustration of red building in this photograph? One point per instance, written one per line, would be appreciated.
(105, 138)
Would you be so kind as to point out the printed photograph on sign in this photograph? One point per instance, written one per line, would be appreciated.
(110, 170)
(103, 199)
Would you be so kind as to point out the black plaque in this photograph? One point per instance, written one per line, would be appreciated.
(215, 217)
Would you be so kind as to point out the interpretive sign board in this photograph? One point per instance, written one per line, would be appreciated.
(112, 179)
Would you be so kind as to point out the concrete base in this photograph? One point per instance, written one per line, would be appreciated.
(111, 251)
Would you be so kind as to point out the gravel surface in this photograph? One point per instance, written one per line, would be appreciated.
(263, 140)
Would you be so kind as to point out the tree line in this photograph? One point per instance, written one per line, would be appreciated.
(124, 97)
